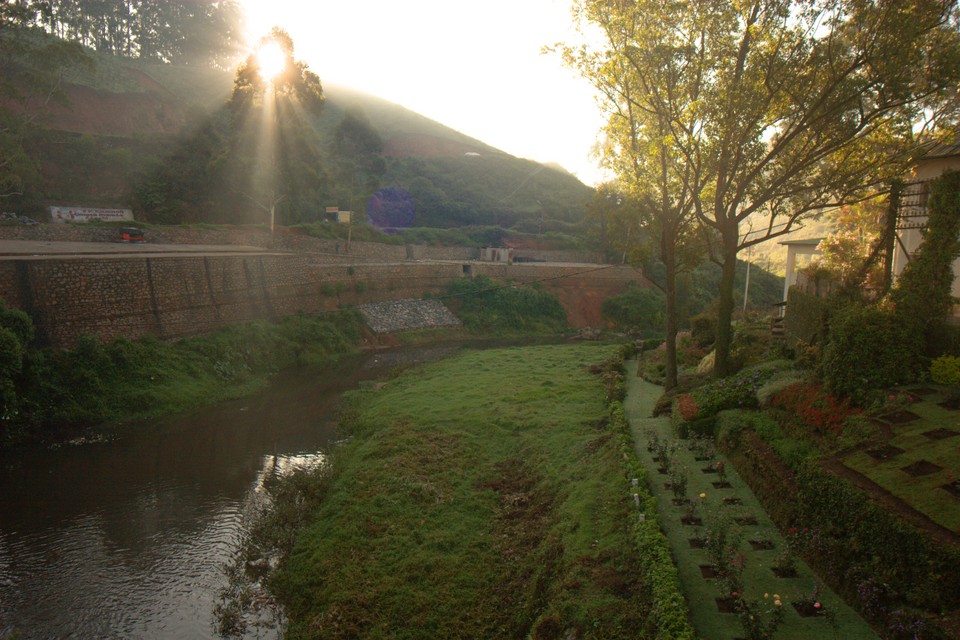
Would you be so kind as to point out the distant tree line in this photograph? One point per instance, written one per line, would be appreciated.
(178, 32)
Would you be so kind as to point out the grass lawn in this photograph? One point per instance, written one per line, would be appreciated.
(737, 501)
(477, 497)
(917, 459)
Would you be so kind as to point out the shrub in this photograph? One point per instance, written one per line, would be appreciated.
(11, 363)
(946, 370)
(820, 412)
(18, 322)
(11, 354)
(922, 296)
(776, 384)
(735, 392)
(703, 329)
(751, 341)
(869, 348)
(482, 304)
(806, 319)
(638, 309)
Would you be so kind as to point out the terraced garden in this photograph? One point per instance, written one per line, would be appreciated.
(916, 456)
(742, 579)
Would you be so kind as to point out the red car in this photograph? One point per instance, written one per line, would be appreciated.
(130, 234)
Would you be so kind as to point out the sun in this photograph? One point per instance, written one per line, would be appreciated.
(271, 59)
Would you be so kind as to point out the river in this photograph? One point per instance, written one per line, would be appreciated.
(127, 536)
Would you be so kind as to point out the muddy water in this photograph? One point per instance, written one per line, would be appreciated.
(127, 537)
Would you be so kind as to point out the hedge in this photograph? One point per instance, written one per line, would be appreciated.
(670, 610)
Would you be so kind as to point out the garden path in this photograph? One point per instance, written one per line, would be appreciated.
(737, 501)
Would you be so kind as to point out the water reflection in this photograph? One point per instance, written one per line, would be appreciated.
(127, 538)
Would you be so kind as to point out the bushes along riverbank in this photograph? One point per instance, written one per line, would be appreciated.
(49, 394)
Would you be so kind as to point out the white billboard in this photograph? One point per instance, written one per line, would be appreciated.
(85, 214)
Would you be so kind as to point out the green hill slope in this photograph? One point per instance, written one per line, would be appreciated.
(125, 123)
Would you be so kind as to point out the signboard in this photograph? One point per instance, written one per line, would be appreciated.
(85, 214)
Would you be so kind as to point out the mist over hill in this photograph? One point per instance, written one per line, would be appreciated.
(126, 123)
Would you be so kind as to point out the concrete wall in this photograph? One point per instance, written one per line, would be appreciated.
(178, 296)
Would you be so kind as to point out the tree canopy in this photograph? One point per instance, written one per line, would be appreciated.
(179, 32)
(773, 110)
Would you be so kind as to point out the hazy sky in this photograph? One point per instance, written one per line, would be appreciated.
(473, 66)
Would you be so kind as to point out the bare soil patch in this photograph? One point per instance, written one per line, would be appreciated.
(900, 417)
(885, 452)
(953, 404)
(921, 468)
(940, 434)
(952, 488)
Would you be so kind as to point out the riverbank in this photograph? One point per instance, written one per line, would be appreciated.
(52, 395)
(481, 496)
(48, 395)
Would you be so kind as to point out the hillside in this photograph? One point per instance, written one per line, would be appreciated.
(124, 120)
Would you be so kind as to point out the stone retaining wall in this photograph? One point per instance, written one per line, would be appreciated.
(400, 315)
(178, 296)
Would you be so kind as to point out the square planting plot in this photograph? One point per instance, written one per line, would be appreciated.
(952, 488)
(721, 485)
(953, 404)
(940, 434)
(922, 391)
(746, 521)
(884, 453)
(725, 605)
(900, 417)
(697, 543)
(732, 501)
(708, 571)
(921, 468)
(809, 609)
(762, 545)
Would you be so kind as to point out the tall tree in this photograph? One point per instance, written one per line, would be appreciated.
(780, 109)
(259, 159)
(640, 150)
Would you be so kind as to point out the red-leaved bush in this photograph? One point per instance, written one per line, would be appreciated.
(821, 412)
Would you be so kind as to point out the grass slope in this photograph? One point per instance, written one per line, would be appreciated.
(928, 439)
(479, 497)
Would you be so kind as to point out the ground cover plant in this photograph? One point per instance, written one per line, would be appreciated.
(482, 496)
(497, 308)
(741, 577)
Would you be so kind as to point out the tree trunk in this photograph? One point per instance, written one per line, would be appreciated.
(723, 366)
(668, 256)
